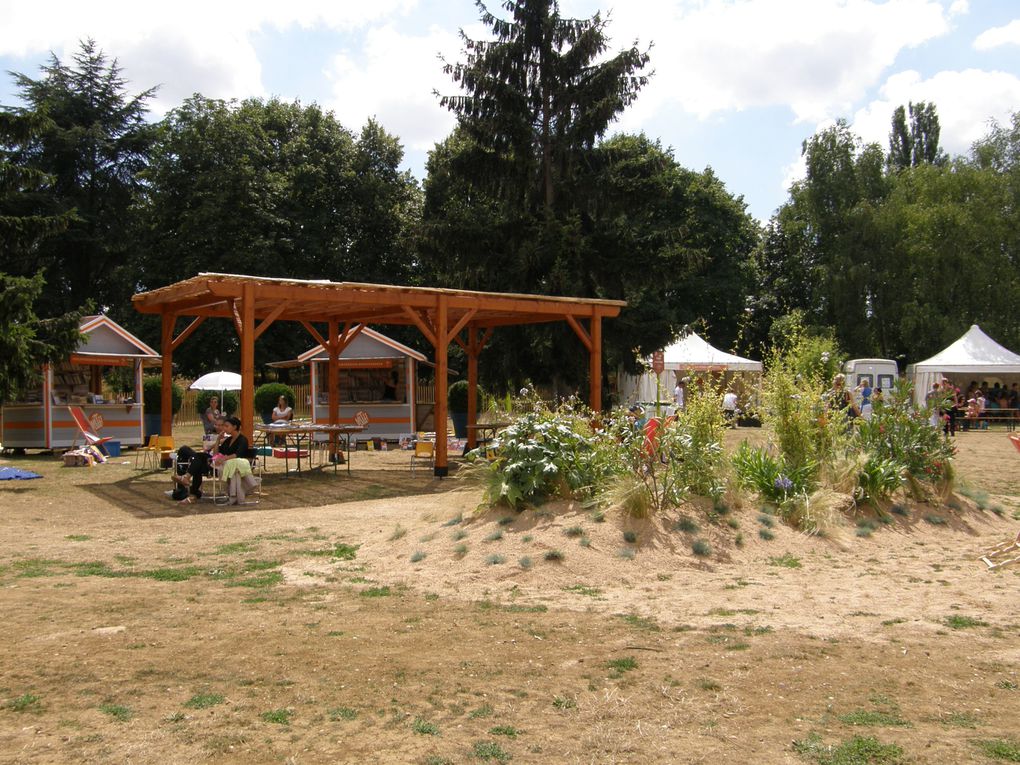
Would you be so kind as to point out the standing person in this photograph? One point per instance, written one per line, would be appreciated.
(841, 400)
(211, 414)
(863, 394)
(678, 394)
(729, 406)
(281, 413)
(236, 471)
(933, 400)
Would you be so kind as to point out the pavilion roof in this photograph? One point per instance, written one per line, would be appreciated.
(212, 295)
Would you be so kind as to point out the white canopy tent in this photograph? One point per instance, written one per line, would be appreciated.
(974, 354)
(691, 355)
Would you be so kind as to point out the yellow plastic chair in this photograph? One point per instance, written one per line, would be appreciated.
(148, 452)
(165, 447)
(424, 453)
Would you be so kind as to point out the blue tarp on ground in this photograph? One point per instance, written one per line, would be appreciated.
(13, 474)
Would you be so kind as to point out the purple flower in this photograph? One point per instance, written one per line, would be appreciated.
(783, 483)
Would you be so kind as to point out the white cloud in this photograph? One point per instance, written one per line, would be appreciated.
(959, 8)
(966, 100)
(818, 57)
(996, 36)
(392, 77)
(189, 47)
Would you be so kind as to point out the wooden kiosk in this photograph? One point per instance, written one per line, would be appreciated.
(376, 379)
(42, 420)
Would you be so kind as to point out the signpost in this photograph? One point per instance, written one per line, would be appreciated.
(658, 362)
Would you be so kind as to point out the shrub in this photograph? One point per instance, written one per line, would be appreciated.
(701, 548)
(229, 402)
(267, 395)
(878, 479)
(457, 397)
(152, 395)
(771, 477)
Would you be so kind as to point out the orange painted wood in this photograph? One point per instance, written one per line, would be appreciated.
(195, 324)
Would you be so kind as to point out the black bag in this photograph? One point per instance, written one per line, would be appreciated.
(180, 492)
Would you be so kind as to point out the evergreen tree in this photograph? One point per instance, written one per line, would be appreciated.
(917, 143)
(93, 145)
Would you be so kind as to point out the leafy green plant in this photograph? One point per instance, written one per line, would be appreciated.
(770, 476)
(786, 560)
(343, 713)
(701, 548)
(267, 396)
(490, 750)
(152, 395)
(26, 702)
(554, 556)
(204, 700)
(423, 727)
(457, 397)
(686, 525)
(277, 716)
(118, 712)
(418, 555)
(878, 479)
(1004, 749)
(866, 750)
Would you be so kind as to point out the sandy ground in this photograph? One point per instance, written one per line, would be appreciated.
(382, 617)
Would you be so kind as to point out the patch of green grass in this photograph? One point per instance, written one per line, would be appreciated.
(527, 538)
(268, 579)
(562, 702)
(458, 535)
(78, 537)
(235, 547)
(701, 548)
(118, 712)
(855, 751)
(174, 574)
(625, 664)
(342, 713)
(890, 622)
(460, 549)
(583, 589)
(574, 531)
(1006, 749)
(864, 531)
(733, 523)
(554, 556)
(706, 684)
(34, 567)
(959, 720)
(458, 518)
(26, 702)
(766, 520)
(277, 716)
(495, 536)
(435, 759)
(418, 555)
(525, 562)
(738, 540)
(598, 516)
(630, 537)
(485, 710)
(398, 532)
(935, 520)
(204, 700)
(767, 535)
(490, 750)
(963, 622)
(343, 551)
(505, 730)
(867, 523)
(423, 727)
(899, 509)
(375, 592)
(506, 520)
(95, 568)
(786, 560)
(1007, 685)
(494, 560)
(686, 525)
(870, 718)
(641, 622)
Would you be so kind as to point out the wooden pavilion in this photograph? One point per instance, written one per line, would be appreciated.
(443, 316)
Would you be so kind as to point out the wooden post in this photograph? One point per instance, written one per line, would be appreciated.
(472, 380)
(442, 349)
(333, 381)
(166, 423)
(247, 358)
(595, 363)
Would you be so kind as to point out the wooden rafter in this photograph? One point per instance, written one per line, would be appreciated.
(186, 333)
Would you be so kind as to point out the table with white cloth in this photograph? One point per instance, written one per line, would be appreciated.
(295, 434)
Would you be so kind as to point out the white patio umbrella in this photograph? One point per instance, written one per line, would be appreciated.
(221, 381)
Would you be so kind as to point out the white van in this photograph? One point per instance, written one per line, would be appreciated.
(878, 373)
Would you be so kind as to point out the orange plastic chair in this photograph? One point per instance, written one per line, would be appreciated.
(424, 453)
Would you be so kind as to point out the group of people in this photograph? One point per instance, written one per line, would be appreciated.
(973, 408)
(226, 449)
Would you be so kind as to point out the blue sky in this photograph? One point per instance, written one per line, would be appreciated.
(738, 86)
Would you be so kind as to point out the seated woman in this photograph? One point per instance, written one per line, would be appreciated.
(192, 467)
(282, 413)
(236, 470)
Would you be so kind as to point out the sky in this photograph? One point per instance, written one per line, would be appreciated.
(738, 85)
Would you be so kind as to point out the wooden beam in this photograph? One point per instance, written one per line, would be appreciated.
(442, 349)
(333, 381)
(455, 330)
(348, 335)
(247, 337)
(315, 335)
(166, 423)
(595, 364)
(236, 315)
(424, 328)
(472, 381)
(580, 331)
(175, 344)
(273, 316)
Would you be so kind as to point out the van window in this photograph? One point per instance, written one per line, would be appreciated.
(885, 382)
(866, 378)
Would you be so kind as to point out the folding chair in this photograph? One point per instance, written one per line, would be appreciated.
(220, 490)
(1001, 555)
(85, 428)
(165, 448)
(148, 451)
(424, 453)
